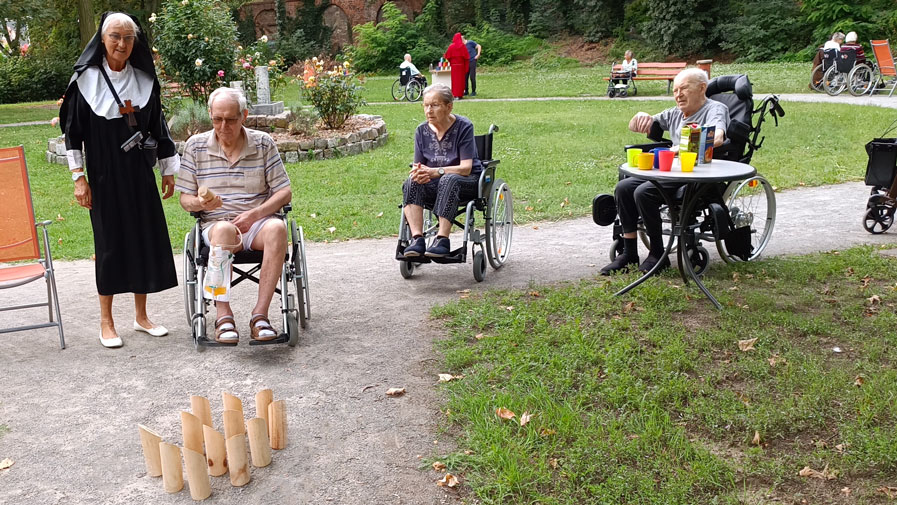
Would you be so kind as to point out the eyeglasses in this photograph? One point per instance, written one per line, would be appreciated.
(117, 37)
(433, 105)
(229, 120)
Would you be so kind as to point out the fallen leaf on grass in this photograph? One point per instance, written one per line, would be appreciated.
(547, 432)
(858, 382)
(534, 294)
(446, 377)
(509, 308)
(837, 350)
(463, 291)
(756, 439)
(438, 466)
(747, 345)
(553, 463)
(504, 413)
(866, 280)
(395, 391)
(889, 491)
(735, 276)
(6, 463)
(331, 229)
(524, 418)
(59, 217)
(874, 299)
(628, 307)
(528, 208)
(313, 215)
(842, 447)
(565, 203)
(775, 359)
(845, 491)
(479, 336)
(468, 452)
(59, 241)
(535, 227)
(448, 481)
(825, 474)
(380, 214)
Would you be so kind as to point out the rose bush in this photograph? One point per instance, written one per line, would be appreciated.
(335, 93)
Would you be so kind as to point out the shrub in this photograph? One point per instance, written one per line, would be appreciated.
(763, 30)
(303, 122)
(189, 120)
(381, 46)
(334, 93)
(33, 77)
(196, 39)
(501, 48)
(260, 53)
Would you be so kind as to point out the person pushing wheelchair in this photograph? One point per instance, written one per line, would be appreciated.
(636, 197)
(243, 169)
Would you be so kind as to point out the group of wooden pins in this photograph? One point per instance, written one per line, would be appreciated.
(222, 453)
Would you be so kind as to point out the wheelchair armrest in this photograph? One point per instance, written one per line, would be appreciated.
(656, 133)
(287, 208)
(648, 147)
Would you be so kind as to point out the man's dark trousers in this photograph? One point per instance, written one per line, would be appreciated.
(472, 77)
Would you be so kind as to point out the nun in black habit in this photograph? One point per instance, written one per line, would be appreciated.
(112, 118)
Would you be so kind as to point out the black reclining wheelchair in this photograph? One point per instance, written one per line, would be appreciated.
(295, 306)
(493, 200)
(748, 205)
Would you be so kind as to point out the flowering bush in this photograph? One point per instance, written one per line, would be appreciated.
(335, 93)
(250, 57)
(195, 39)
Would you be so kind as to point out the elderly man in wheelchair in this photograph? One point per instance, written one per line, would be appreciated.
(638, 198)
(738, 216)
(249, 185)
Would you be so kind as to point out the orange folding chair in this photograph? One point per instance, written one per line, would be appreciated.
(19, 240)
(885, 62)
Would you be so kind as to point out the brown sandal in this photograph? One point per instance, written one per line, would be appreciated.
(219, 331)
(256, 329)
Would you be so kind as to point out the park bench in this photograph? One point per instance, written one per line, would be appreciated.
(652, 71)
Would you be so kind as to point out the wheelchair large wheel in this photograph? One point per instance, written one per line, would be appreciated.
(751, 202)
(190, 284)
(860, 80)
(413, 91)
(398, 91)
(834, 82)
(499, 224)
(299, 269)
(816, 84)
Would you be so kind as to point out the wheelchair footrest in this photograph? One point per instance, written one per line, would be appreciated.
(459, 255)
(210, 342)
(283, 338)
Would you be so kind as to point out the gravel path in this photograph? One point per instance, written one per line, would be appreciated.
(72, 415)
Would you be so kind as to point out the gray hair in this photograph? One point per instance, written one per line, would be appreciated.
(119, 18)
(838, 36)
(232, 94)
(443, 92)
(693, 74)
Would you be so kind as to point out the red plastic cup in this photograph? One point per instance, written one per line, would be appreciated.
(666, 160)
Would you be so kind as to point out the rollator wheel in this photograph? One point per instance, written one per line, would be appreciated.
(406, 268)
(878, 217)
(623, 93)
(479, 266)
(700, 258)
(611, 93)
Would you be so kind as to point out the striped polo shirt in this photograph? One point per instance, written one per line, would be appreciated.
(243, 185)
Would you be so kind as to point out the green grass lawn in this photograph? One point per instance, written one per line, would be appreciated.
(549, 152)
(649, 399)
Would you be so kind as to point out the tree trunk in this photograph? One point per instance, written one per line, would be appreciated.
(86, 23)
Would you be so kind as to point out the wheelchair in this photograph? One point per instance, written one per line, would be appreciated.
(880, 174)
(827, 61)
(293, 287)
(625, 85)
(748, 207)
(495, 202)
(408, 87)
(836, 79)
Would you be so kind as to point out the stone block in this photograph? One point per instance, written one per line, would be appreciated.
(291, 157)
(354, 148)
(280, 130)
(267, 109)
(280, 122)
(354, 137)
(320, 144)
(370, 133)
(342, 141)
(366, 145)
(287, 145)
(306, 145)
(60, 149)
(384, 138)
(303, 155)
(62, 160)
(328, 153)
(318, 154)
(51, 157)
(381, 129)
(341, 151)
(332, 142)
(51, 145)
(261, 121)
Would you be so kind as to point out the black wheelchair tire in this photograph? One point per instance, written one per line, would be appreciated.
(479, 266)
(413, 91)
(406, 268)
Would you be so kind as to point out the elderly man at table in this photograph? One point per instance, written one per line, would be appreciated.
(243, 169)
(636, 197)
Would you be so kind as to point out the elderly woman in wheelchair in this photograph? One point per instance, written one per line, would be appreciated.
(453, 174)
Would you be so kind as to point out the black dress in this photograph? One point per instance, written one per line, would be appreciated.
(133, 251)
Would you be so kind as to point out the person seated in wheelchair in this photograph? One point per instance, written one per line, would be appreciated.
(445, 171)
(637, 197)
(243, 169)
(412, 70)
(850, 44)
(628, 69)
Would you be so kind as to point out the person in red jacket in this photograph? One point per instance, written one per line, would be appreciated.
(459, 59)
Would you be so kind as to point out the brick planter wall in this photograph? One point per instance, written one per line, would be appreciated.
(291, 151)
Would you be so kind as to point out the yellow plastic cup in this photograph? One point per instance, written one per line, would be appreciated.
(632, 156)
(687, 159)
(645, 161)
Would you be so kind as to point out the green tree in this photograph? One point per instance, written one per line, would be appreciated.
(15, 18)
(196, 39)
(763, 30)
(684, 27)
(598, 19)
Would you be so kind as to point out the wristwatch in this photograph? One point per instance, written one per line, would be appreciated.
(440, 171)
(77, 175)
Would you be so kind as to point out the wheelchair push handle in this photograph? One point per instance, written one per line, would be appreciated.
(493, 128)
